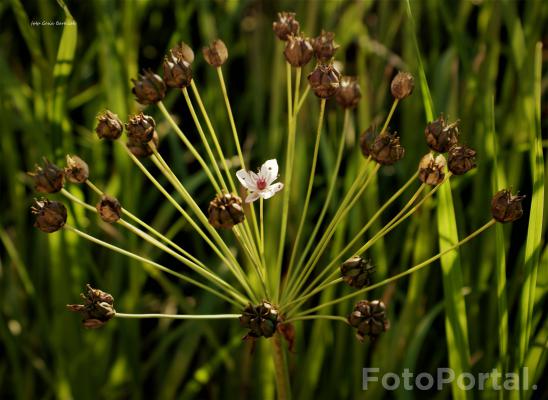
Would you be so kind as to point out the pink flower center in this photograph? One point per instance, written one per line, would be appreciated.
(261, 183)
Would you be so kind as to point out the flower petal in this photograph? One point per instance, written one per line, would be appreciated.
(251, 197)
(269, 171)
(246, 179)
(271, 190)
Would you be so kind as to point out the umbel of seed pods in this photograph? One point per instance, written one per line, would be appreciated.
(225, 210)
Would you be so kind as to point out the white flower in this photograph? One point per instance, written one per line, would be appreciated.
(261, 184)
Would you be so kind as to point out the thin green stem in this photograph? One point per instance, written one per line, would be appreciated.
(261, 213)
(238, 302)
(204, 139)
(310, 185)
(178, 316)
(189, 145)
(390, 114)
(283, 385)
(402, 274)
(319, 316)
(330, 190)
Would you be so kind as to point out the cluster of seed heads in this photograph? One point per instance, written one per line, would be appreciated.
(226, 211)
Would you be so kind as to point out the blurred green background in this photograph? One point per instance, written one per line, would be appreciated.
(55, 79)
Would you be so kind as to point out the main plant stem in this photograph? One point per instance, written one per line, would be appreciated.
(280, 367)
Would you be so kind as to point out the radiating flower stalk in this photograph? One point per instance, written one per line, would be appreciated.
(271, 287)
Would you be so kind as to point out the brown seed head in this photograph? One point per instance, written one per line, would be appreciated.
(349, 93)
(402, 85)
(461, 159)
(324, 80)
(440, 136)
(140, 128)
(48, 178)
(357, 271)
(142, 150)
(177, 70)
(149, 88)
(298, 50)
(369, 317)
(216, 54)
(50, 216)
(506, 207)
(385, 149)
(225, 211)
(286, 25)
(77, 170)
(325, 46)
(183, 51)
(109, 126)
(432, 170)
(261, 320)
(97, 310)
(109, 209)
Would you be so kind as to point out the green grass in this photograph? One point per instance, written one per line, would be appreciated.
(481, 307)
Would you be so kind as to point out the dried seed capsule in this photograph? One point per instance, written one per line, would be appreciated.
(286, 25)
(402, 85)
(149, 88)
(48, 178)
(261, 320)
(505, 207)
(183, 51)
(216, 54)
(97, 310)
(369, 317)
(349, 92)
(225, 211)
(325, 46)
(50, 216)
(367, 138)
(324, 80)
(357, 271)
(142, 150)
(109, 209)
(432, 170)
(386, 148)
(177, 70)
(461, 159)
(441, 137)
(140, 128)
(109, 126)
(298, 50)
(77, 170)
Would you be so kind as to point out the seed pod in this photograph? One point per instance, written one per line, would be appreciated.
(349, 93)
(385, 149)
(402, 85)
(225, 211)
(357, 271)
(177, 71)
(183, 51)
(441, 137)
(367, 138)
(505, 207)
(77, 170)
(142, 150)
(109, 209)
(149, 88)
(432, 170)
(298, 50)
(140, 128)
(324, 80)
(50, 216)
(325, 46)
(109, 126)
(48, 178)
(216, 54)
(97, 310)
(369, 317)
(261, 320)
(461, 159)
(286, 25)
